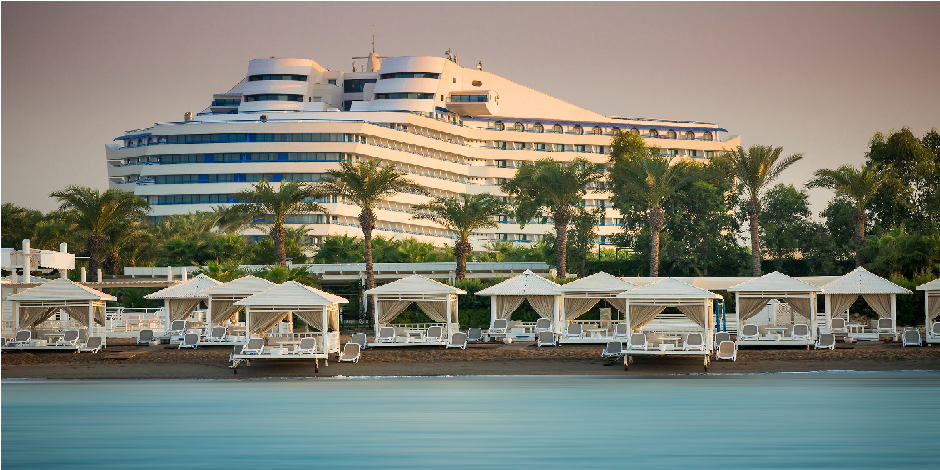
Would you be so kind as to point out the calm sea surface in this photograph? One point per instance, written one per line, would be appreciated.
(820, 420)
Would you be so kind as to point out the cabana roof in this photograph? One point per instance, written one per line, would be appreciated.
(414, 284)
(860, 281)
(774, 282)
(60, 290)
(292, 293)
(597, 282)
(247, 285)
(668, 288)
(933, 285)
(190, 289)
(527, 283)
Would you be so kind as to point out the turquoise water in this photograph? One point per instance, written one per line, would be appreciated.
(820, 420)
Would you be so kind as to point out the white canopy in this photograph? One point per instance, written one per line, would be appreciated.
(752, 296)
(222, 297)
(507, 296)
(577, 297)
(317, 308)
(878, 292)
(645, 303)
(438, 301)
(191, 289)
(35, 305)
(931, 301)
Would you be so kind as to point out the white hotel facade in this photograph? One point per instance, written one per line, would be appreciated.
(452, 129)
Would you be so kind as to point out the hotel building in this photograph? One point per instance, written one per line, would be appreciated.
(452, 129)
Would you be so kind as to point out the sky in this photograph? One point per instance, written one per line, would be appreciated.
(815, 78)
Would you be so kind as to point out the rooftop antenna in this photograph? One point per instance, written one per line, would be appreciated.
(373, 39)
(373, 63)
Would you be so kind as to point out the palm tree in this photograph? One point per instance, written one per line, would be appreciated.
(367, 184)
(463, 215)
(754, 170)
(859, 186)
(289, 199)
(96, 214)
(647, 179)
(555, 187)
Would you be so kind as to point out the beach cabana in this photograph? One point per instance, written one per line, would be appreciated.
(316, 308)
(34, 306)
(644, 304)
(931, 310)
(752, 296)
(222, 297)
(181, 300)
(577, 297)
(879, 293)
(438, 301)
(507, 296)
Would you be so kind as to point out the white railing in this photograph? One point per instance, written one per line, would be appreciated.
(126, 320)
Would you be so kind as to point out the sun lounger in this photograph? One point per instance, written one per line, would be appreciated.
(694, 342)
(434, 335)
(935, 329)
(361, 339)
(190, 340)
(886, 325)
(458, 340)
(837, 325)
(620, 331)
(216, 334)
(475, 334)
(749, 333)
(307, 345)
(910, 337)
(386, 335)
(22, 337)
(543, 324)
(826, 341)
(727, 350)
(613, 349)
(93, 345)
(351, 353)
(254, 346)
(638, 342)
(176, 328)
(500, 326)
(573, 331)
(545, 338)
(721, 336)
(800, 331)
(69, 338)
(144, 336)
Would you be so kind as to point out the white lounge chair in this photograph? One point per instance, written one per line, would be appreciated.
(721, 336)
(545, 338)
(826, 341)
(435, 334)
(694, 342)
(217, 334)
(190, 340)
(351, 353)
(307, 345)
(22, 337)
(800, 331)
(458, 340)
(475, 334)
(910, 337)
(621, 332)
(361, 339)
(886, 326)
(614, 349)
(144, 336)
(543, 324)
(69, 338)
(93, 345)
(748, 333)
(500, 326)
(573, 331)
(386, 335)
(934, 330)
(727, 350)
(254, 346)
(837, 325)
(638, 342)
(176, 328)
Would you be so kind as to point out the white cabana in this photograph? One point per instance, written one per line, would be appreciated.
(181, 300)
(643, 304)
(316, 308)
(752, 296)
(577, 297)
(438, 301)
(507, 296)
(879, 293)
(222, 297)
(33, 306)
(931, 310)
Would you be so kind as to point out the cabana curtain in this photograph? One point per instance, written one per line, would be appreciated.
(32, 316)
(840, 303)
(182, 308)
(618, 303)
(933, 306)
(506, 304)
(696, 313)
(80, 313)
(750, 306)
(223, 310)
(544, 305)
(643, 314)
(436, 311)
(575, 307)
(315, 319)
(800, 306)
(389, 309)
(880, 303)
(263, 321)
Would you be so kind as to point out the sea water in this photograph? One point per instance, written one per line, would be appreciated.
(815, 420)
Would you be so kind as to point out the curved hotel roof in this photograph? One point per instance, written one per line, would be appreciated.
(453, 129)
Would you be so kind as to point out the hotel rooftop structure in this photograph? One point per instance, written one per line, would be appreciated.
(450, 128)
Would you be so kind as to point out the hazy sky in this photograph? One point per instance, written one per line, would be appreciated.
(814, 78)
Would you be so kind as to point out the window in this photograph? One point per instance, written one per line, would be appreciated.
(671, 134)
(518, 127)
(331, 81)
(538, 128)
(476, 83)
(226, 102)
(469, 98)
(273, 97)
(404, 96)
(654, 133)
(597, 130)
(500, 145)
(690, 135)
(498, 125)
(558, 129)
(578, 130)
(500, 180)
(558, 147)
(356, 85)
(347, 105)
(614, 130)
(598, 149)
(296, 78)
(518, 145)
(540, 147)
(707, 136)
(635, 131)
(503, 219)
(386, 76)
(579, 148)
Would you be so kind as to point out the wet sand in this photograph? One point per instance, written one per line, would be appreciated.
(164, 362)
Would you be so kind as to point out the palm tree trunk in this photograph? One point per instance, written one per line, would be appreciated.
(861, 219)
(280, 235)
(562, 217)
(656, 218)
(94, 245)
(582, 271)
(461, 250)
(367, 223)
(753, 210)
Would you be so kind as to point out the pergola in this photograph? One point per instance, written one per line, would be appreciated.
(577, 297)
(879, 293)
(438, 301)
(35, 305)
(752, 296)
(318, 309)
(222, 297)
(931, 308)
(181, 300)
(508, 295)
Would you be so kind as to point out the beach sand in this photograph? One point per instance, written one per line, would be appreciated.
(122, 360)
